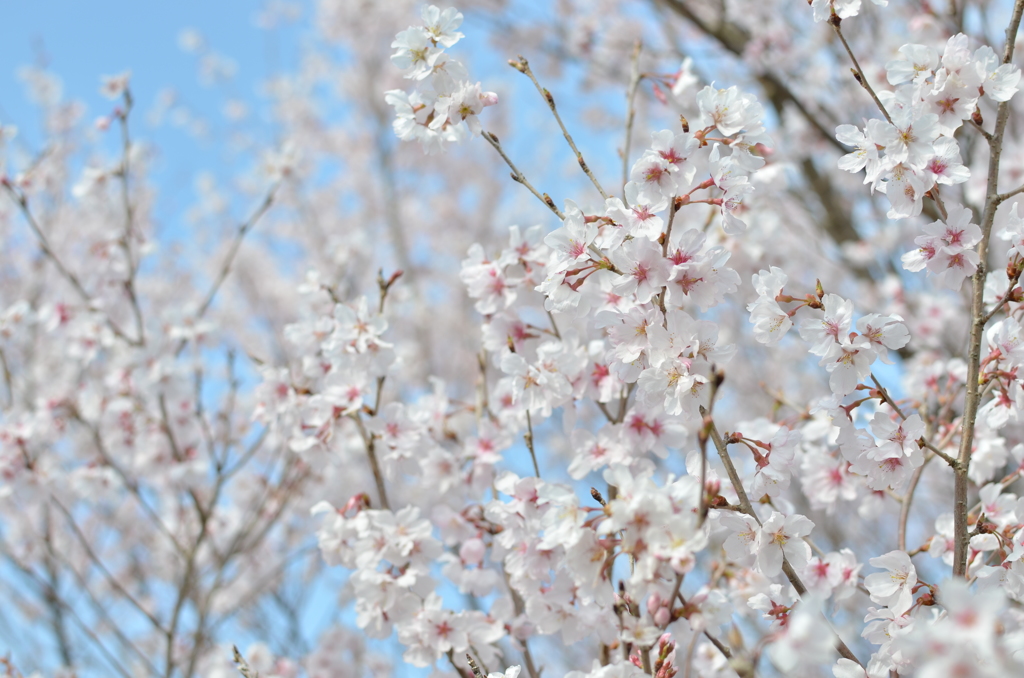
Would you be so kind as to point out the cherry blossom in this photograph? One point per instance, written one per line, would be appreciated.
(582, 447)
(893, 588)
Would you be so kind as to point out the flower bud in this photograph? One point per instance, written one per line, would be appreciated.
(653, 603)
(472, 551)
(662, 617)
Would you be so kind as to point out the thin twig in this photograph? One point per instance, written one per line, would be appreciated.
(371, 453)
(726, 652)
(884, 394)
(528, 439)
(634, 84)
(1003, 197)
(519, 177)
(243, 230)
(981, 130)
(941, 455)
(1002, 300)
(243, 666)
(747, 508)
(858, 71)
(523, 67)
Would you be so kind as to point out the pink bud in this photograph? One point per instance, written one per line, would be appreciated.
(472, 551)
(522, 629)
(488, 98)
(659, 94)
(357, 503)
(653, 602)
(662, 617)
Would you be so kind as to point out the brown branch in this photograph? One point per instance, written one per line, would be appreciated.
(1003, 299)
(523, 67)
(862, 79)
(973, 397)
(87, 629)
(747, 508)
(370, 441)
(243, 666)
(726, 652)
(519, 177)
(528, 439)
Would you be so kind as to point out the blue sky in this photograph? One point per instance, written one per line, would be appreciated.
(83, 40)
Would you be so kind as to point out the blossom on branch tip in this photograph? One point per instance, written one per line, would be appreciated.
(844, 9)
(915, 63)
(441, 25)
(115, 85)
(639, 220)
(570, 243)
(824, 328)
(416, 54)
(464, 104)
(998, 80)
(728, 110)
(770, 322)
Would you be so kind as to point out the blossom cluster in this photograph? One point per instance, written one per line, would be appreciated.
(598, 465)
(826, 325)
(445, 106)
(613, 319)
(914, 151)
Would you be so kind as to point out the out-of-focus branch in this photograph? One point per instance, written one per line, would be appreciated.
(129, 482)
(634, 84)
(113, 581)
(5, 369)
(21, 200)
(52, 593)
(124, 172)
(236, 243)
(86, 629)
(734, 39)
